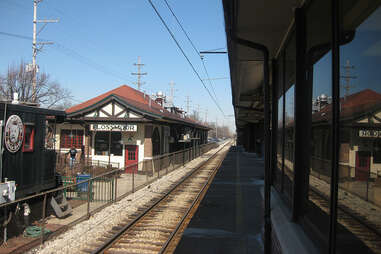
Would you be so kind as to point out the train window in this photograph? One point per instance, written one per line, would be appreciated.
(319, 76)
(289, 118)
(288, 176)
(278, 170)
(278, 174)
(28, 144)
(359, 196)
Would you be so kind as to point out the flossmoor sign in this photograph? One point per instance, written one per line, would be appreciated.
(114, 127)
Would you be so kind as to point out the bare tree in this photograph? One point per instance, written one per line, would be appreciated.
(49, 94)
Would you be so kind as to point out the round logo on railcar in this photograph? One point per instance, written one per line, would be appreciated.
(14, 133)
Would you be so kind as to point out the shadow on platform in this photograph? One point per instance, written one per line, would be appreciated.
(229, 218)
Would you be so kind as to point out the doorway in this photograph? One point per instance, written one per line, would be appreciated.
(362, 166)
(131, 158)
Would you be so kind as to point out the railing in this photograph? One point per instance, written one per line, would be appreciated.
(83, 166)
(366, 186)
(88, 195)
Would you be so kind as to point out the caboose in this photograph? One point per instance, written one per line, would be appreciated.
(28, 158)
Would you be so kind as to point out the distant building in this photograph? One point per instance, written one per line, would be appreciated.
(126, 126)
(320, 102)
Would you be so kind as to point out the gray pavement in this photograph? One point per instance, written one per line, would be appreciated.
(229, 218)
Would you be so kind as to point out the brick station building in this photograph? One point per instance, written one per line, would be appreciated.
(126, 126)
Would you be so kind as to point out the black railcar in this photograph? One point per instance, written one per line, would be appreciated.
(26, 157)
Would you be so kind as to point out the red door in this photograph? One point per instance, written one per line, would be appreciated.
(131, 159)
(362, 166)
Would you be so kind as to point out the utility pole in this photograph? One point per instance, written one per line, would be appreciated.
(347, 77)
(172, 92)
(34, 67)
(139, 74)
(206, 116)
(188, 101)
(198, 112)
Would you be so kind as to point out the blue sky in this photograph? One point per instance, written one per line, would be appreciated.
(97, 42)
(363, 53)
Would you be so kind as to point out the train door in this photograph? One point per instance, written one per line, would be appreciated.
(362, 165)
(131, 157)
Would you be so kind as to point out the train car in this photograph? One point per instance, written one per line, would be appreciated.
(27, 160)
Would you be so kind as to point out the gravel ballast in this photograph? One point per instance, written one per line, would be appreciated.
(87, 232)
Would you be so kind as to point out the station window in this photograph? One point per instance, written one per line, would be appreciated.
(377, 154)
(28, 145)
(116, 145)
(103, 140)
(71, 138)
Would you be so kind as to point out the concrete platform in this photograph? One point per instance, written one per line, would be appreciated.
(229, 218)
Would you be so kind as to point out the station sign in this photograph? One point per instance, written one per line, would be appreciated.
(114, 127)
(370, 133)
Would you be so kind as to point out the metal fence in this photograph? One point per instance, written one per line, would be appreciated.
(85, 165)
(367, 186)
(88, 194)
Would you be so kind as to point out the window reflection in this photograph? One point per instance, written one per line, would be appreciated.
(318, 57)
(289, 142)
(279, 155)
(360, 121)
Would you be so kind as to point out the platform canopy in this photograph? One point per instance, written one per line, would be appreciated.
(264, 22)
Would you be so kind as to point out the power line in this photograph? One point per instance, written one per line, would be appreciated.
(75, 55)
(211, 50)
(17, 36)
(182, 28)
(207, 75)
(89, 62)
(186, 57)
(194, 47)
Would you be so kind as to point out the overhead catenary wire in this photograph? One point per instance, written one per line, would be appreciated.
(75, 55)
(194, 47)
(211, 50)
(186, 57)
(208, 77)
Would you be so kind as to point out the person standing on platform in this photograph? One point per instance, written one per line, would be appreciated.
(73, 153)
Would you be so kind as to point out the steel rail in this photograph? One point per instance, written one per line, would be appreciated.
(41, 194)
(117, 235)
(173, 234)
(350, 213)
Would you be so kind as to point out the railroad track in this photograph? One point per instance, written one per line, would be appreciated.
(158, 227)
(366, 233)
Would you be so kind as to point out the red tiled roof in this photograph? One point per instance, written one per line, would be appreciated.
(136, 99)
(353, 105)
